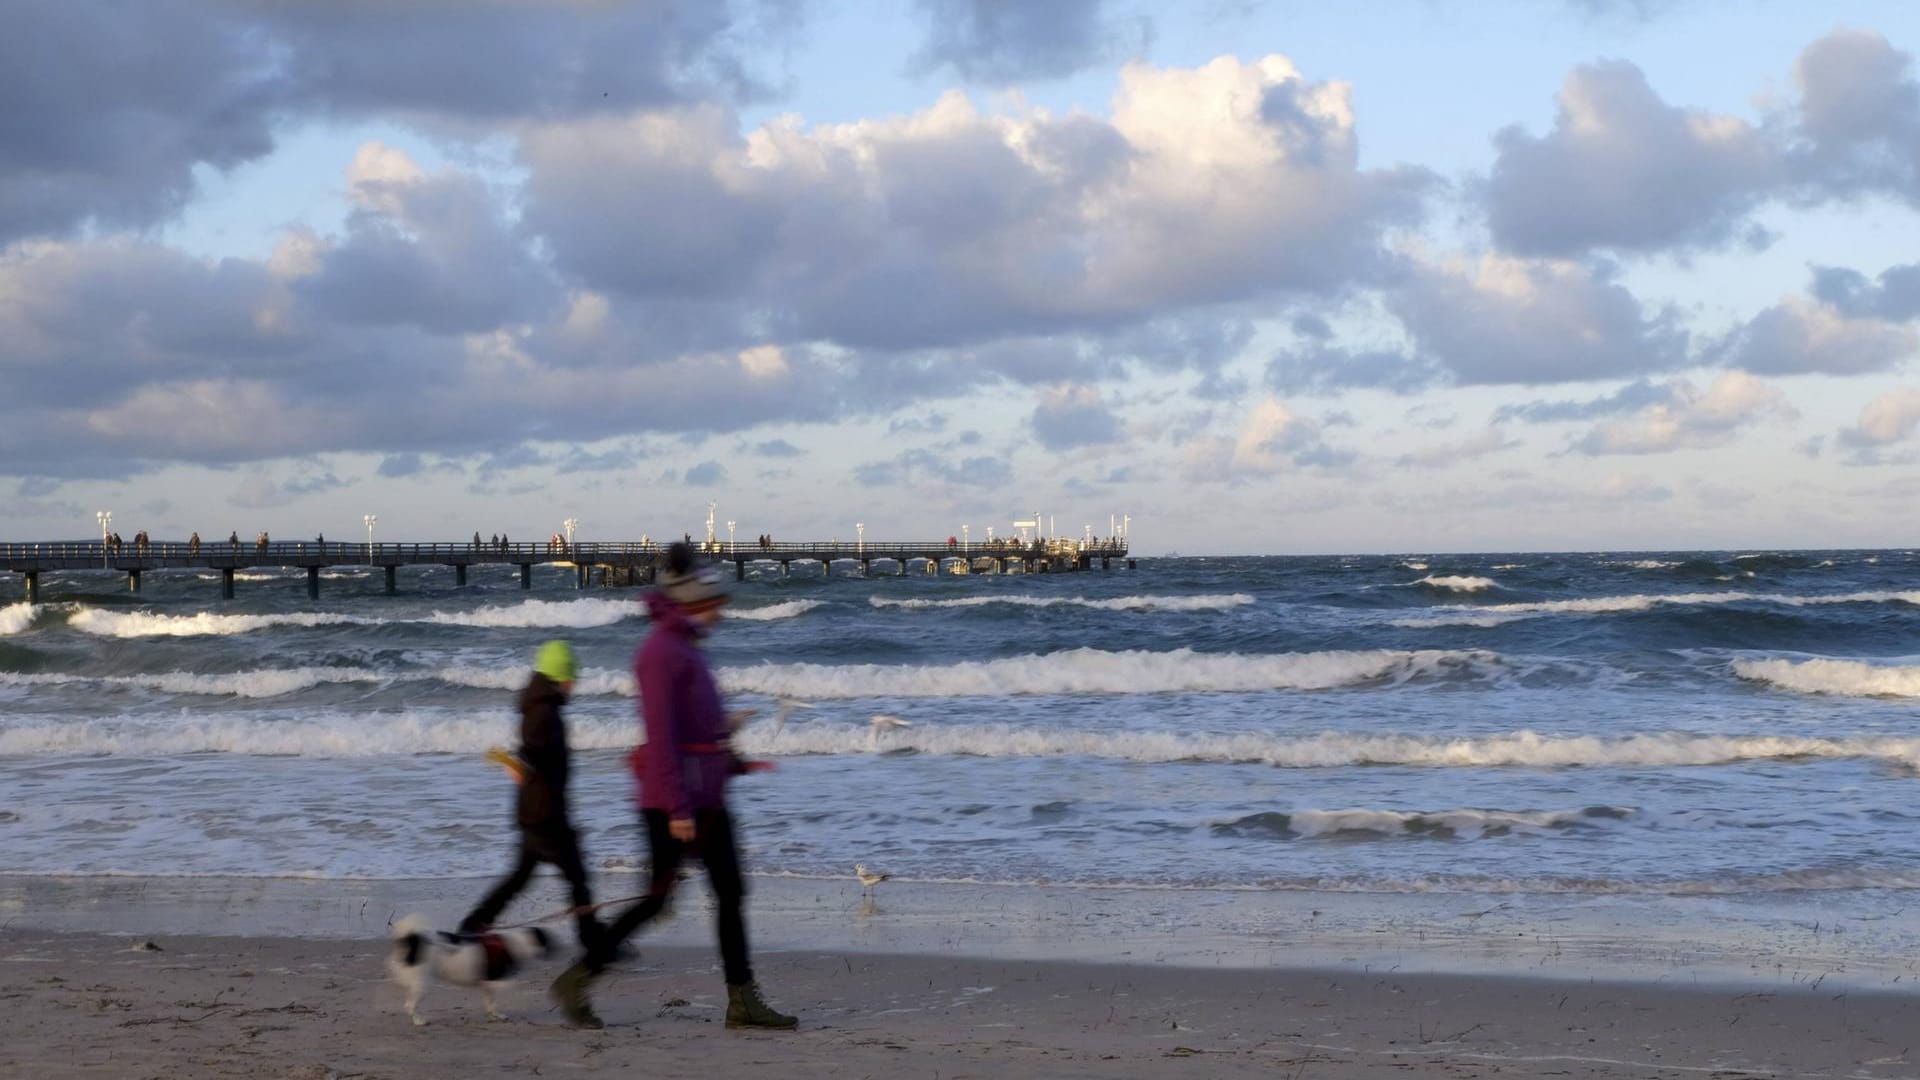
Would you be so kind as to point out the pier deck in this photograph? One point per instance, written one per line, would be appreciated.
(616, 563)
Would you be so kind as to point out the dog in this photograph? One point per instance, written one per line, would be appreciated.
(488, 961)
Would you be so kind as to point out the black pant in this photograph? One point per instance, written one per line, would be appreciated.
(559, 846)
(714, 844)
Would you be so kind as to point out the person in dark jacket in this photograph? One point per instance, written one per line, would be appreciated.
(683, 769)
(540, 810)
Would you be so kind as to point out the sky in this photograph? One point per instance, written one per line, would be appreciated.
(1267, 277)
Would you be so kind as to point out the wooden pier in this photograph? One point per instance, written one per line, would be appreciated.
(610, 564)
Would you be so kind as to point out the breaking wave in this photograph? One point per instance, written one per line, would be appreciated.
(15, 618)
(1493, 614)
(134, 624)
(1093, 671)
(1218, 602)
(1848, 678)
(1456, 583)
(438, 731)
(786, 610)
(578, 614)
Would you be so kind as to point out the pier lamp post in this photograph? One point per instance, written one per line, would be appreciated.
(105, 518)
(371, 520)
(732, 547)
(710, 508)
(570, 524)
(1089, 542)
(860, 532)
(966, 539)
(1126, 527)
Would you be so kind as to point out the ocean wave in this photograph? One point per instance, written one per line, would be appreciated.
(135, 624)
(1456, 583)
(1217, 602)
(529, 614)
(16, 618)
(1438, 824)
(445, 731)
(1093, 671)
(246, 684)
(1845, 678)
(771, 612)
(1523, 749)
(1479, 614)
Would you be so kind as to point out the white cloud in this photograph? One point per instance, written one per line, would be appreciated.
(1692, 419)
(1491, 440)
(1890, 418)
(1800, 335)
(1272, 439)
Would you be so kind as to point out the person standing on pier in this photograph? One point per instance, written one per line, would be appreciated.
(540, 808)
(683, 769)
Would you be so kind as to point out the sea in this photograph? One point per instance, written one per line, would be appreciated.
(1670, 723)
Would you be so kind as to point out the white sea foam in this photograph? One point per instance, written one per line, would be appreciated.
(424, 731)
(1847, 678)
(1216, 602)
(15, 618)
(135, 624)
(771, 612)
(266, 683)
(578, 614)
(1093, 671)
(1476, 615)
(1414, 565)
(1457, 583)
(1646, 564)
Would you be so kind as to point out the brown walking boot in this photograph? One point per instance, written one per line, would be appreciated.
(747, 1009)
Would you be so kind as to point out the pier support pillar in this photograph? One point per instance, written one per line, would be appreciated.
(1106, 563)
(313, 583)
(526, 575)
(866, 567)
(826, 569)
(580, 576)
(460, 573)
(133, 581)
(226, 583)
(393, 583)
(33, 586)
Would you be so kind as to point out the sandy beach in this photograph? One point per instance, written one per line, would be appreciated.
(188, 977)
(95, 1006)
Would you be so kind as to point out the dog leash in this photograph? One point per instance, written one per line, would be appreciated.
(564, 913)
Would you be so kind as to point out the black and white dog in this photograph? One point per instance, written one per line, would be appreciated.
(488, 960)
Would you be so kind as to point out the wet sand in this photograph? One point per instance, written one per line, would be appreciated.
(84, 1005)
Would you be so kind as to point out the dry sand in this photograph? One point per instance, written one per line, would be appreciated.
(87, 1005)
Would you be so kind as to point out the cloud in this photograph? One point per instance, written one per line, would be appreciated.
(395, 466)
(1636, 395)
(1692, 419)
(997, 43)
(1798, 335)
(1072, 416)
(920, 468)
(1888, 419)
(258, 491)
(1858, 116)
(777, 448)
(1502, 320)
(1894, 295)
(1207, 185)
(930, 424)
(114, 110)
(1272, 439)
(1492, 440)
(705, 474)
(1622, 169)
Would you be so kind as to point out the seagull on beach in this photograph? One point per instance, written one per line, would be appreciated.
(868, 879)
(882, 722)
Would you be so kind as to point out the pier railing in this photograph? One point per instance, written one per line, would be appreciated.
(161, 553)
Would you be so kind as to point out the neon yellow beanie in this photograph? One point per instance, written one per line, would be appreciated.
(555, 661)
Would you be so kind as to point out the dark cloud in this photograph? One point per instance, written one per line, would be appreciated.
(1858, 118)
(1894, 295)
(112, 109)
(996, 43)
(931, 424)
(705, 474)
(395, 466)
(777, 448)
(919, 468)
(1623, 169)
(36, 487)
(1798, 336)
(1074, 416)
(1323, 370)
(1632, 397)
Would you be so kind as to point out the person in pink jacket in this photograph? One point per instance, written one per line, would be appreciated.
(683, 770)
